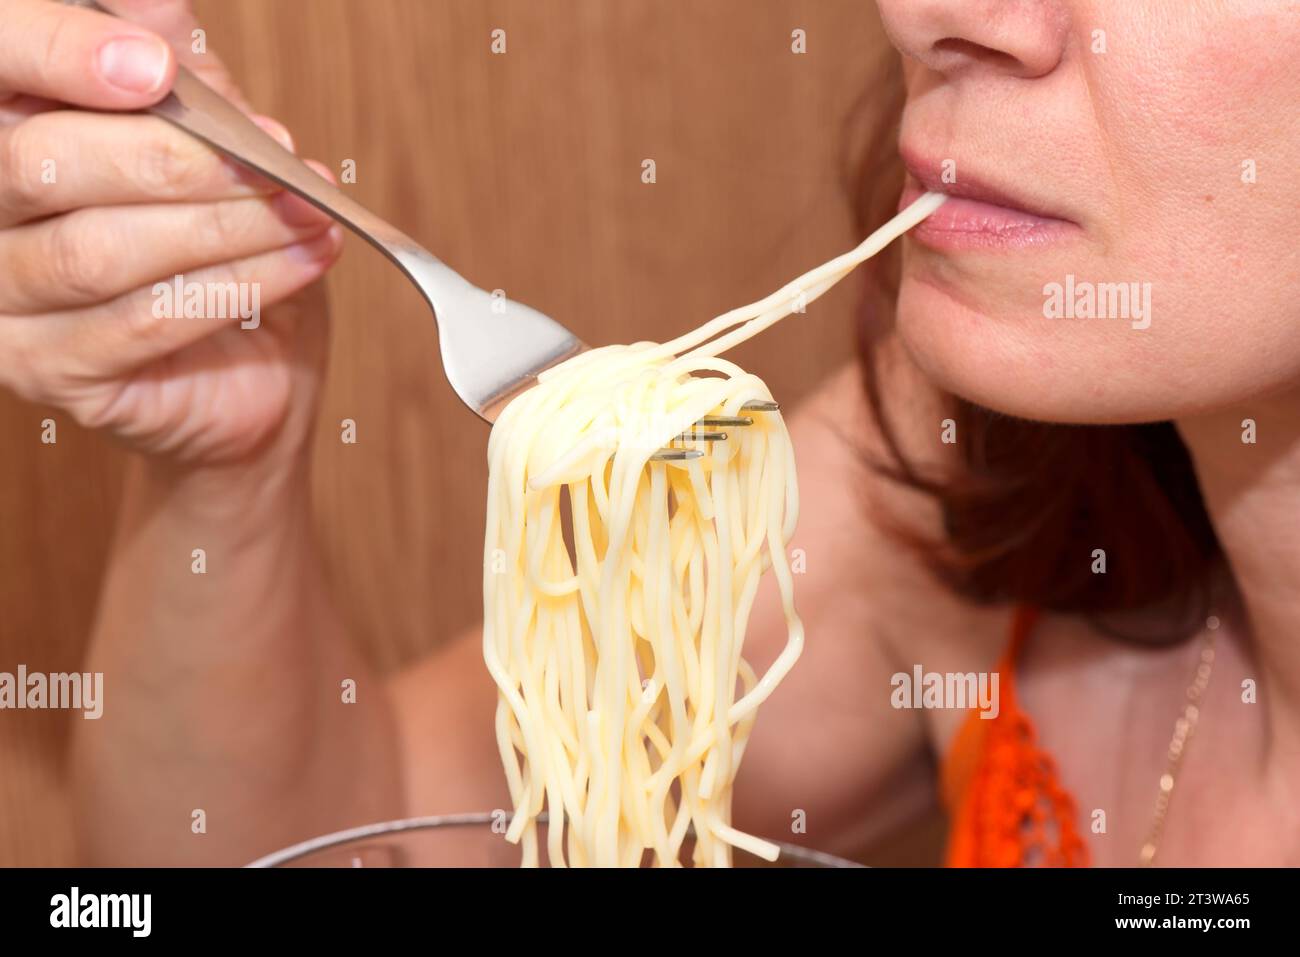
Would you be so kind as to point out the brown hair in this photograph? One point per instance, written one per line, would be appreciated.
(1024, 491)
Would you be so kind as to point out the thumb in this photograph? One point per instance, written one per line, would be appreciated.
(81, 57)
(174, 21)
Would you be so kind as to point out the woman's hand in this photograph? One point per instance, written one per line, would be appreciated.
(96, 211)
(101, 212)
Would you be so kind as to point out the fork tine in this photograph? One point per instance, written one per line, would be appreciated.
(701, 435)
(676, 455)
(703, 432)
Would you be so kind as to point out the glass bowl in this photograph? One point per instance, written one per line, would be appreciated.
(464, 840)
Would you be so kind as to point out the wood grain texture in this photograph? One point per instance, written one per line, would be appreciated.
(523, 171)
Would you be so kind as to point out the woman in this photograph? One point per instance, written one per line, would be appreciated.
(1146, 143)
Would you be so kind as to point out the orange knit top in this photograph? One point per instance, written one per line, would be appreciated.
(1006, 806)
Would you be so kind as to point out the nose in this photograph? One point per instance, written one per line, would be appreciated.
(1020, 38)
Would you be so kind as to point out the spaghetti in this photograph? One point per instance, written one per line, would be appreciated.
(625, 704)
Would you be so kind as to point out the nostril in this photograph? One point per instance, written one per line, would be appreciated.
(958, 49)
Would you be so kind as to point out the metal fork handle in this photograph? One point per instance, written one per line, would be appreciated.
(201, 111)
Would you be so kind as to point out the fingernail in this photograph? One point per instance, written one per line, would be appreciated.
(319, 249)
(277, 130)
(134, 64)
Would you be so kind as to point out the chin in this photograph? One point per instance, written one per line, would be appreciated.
(1081, 372)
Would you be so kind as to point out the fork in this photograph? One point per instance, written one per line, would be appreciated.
(493, 348)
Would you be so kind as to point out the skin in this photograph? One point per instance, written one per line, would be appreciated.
(1136, 141)
(1143, 148)
(219, 415)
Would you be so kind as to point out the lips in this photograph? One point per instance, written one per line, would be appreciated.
(978, 215)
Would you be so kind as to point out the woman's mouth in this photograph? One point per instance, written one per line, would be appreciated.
(977, 216)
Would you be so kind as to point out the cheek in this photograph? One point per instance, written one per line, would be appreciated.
(1204, 135)
(1199, 118)
(1205, 78)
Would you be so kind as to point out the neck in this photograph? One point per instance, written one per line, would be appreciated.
(1252, 494)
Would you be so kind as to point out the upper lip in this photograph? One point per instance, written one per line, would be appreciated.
(929, 174)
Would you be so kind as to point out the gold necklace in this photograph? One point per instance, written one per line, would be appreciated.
(1183, 729)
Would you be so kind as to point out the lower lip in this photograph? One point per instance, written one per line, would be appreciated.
(962, 223)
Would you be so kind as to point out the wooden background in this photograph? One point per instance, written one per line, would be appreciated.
(523, 171)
